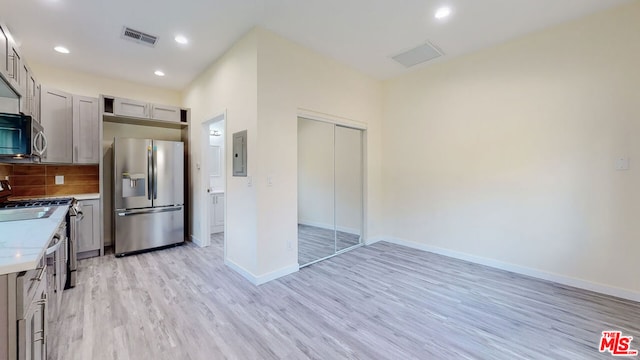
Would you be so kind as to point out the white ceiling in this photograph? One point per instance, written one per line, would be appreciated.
(361, 33)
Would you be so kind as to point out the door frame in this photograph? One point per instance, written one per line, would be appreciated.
(205, 224)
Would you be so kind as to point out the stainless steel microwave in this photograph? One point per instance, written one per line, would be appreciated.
(21, 137)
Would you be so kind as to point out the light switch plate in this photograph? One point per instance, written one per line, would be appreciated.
(622, 163)
(59, 179)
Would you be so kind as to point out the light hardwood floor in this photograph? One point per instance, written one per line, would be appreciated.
(316, 243)
(377, 302)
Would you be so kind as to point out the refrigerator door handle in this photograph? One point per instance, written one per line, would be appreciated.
(149, 174)
(149, 211)
(155, 173)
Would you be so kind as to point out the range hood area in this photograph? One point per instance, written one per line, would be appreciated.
(9, 98)
(7, 91)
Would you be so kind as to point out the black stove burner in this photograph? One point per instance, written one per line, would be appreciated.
(35, 203)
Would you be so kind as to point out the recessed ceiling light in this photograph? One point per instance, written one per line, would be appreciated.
(181, 39)
(61, 49)
(443, 12)
(159, 73)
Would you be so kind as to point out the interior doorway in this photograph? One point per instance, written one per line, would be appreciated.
(213, 170)
(330, 190)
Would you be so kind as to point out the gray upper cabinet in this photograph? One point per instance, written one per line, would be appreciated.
(10, 61)
(164, 112)
(23, 80)
(30, 103)
(86, 130)
(57, 120)
(134, 108)
(16, 72)
(14, 67)
(4, 52)
(140, 110)
(72, 126)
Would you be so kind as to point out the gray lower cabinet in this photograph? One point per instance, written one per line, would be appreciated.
(88, 240)
(24, 307)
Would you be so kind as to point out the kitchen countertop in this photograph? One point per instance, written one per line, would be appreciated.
(24, 242)
(95, 196)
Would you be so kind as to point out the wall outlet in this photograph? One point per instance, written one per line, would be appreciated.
(290, 245)
(249, 181)
(269, 180)
(59, 179)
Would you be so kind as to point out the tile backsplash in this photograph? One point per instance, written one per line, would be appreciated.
(40, 180)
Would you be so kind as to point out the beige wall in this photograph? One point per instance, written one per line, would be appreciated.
(508, 154)
(230, 85)
(262, 82)
(291, 78)
(85, 84)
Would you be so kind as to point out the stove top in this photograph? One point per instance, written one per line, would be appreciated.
(5, 192)
(36, 203)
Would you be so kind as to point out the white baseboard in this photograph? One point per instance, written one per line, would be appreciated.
(557, 278)
(375, 239)
(264, 278)
(197, 241)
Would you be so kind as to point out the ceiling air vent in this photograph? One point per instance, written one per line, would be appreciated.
(415, 56)
(139, 37)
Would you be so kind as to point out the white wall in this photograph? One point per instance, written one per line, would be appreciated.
(508, 154)
(85, 84)
(228, 84)
(290, 78)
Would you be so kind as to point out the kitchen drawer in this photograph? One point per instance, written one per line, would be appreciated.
(29, 283)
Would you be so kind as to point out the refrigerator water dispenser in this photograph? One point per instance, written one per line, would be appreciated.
(133, 184)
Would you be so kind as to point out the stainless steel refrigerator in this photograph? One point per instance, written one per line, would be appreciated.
(148, 194)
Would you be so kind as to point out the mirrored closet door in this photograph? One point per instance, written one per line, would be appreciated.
(330, 187)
